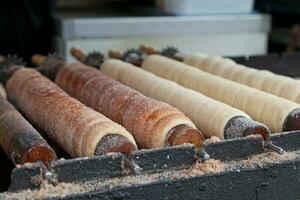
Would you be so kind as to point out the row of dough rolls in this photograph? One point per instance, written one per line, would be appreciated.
(74, 126)
(266, 108)
(264, 80)
(150, 121)
(210, 116)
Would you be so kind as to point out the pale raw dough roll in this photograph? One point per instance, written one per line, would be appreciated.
(76, 127)
(209, 115)
(264, 80)
(266, 108)
(147, 119)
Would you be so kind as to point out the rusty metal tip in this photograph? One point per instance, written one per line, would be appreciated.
(117, 54)
(147, 49)
(38, 59)
(77, 53)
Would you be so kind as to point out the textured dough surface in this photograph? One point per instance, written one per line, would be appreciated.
(209, 115)
(16, 134)
(264, 80)
(62, 117)
(147, 119)
(261, 106)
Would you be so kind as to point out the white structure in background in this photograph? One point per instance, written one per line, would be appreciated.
(227, 35)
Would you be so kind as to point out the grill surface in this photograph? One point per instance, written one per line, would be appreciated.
(273, 180)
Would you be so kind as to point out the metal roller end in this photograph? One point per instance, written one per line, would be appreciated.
(273, 147)
(204, 155)
(132, 165)
(49, 176)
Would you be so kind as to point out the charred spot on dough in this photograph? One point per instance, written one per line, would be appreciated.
(182, 134)
(114, 143)
(292, 122)
(240, 126)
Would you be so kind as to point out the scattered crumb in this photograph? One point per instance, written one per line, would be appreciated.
(269, 157)
(46, 190)
(209, 166)
(212, 140)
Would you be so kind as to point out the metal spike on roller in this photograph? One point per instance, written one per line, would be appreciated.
(169, 51)
(53, 58)
(133, 56)
(48, 65)
(55, 55)
(41, 60)
(8, 65)
(11, 60)
(131, 53)
(94, 59)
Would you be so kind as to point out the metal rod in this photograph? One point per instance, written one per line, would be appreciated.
(269, 145)
(204, 155)
(132, 165)
(49, 176)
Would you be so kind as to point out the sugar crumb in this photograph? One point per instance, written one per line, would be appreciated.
(212, 140)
